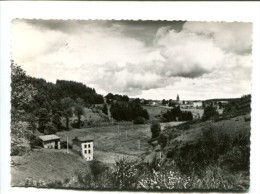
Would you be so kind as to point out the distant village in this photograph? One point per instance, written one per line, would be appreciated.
(187, 104)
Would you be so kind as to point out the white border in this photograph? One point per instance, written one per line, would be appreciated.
(193, 11)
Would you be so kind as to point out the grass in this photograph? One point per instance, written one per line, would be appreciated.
(107, 139)
(45, 164)
(228, 126)
(154, 111)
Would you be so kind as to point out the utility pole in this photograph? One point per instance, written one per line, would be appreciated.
(67, 145)
(126, 134)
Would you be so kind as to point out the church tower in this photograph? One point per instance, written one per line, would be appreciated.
(178, 98)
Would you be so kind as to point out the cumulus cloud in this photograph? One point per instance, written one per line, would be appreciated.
(232, 37)
(142, 59)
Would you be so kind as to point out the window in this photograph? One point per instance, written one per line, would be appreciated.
(89, 145)
(89, 151)
(85, 146)
(85, 151)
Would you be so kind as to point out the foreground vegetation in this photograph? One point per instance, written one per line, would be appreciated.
(127, 175)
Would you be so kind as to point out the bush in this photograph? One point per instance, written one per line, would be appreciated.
(50, 129)
(63, 145)
(163, 139)
(76, 124)
(139, 120)
(125, 175)
(35, 142)
(155, 129)
(18, 150)
(209, 112)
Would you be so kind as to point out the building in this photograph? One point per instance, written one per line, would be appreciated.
(50, 141)
(197, 104)
(84, 145)
(178, 98)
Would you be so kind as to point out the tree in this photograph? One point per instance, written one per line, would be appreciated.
(137, 100)
(55, 106)
(22, 115)
(56, 121)
(163, 102)
(163, 139)
(104, 109)
(66, 109)
(125, 98)
(50, 129)
(79, 109)
(209, 112)
(155, 129)
(22, 93)
(43, 118)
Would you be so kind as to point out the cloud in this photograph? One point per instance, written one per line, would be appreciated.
(232, 37)
(187, 54)
(138, 58)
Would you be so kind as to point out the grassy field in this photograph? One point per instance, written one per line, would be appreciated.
(155, 110)
(232, 127)
(47, 165)
(117, 140)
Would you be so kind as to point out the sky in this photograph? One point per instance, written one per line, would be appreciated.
(144, 59)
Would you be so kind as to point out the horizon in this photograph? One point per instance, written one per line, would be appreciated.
(142, 59)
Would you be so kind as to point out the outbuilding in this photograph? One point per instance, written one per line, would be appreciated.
(50, 141)
(84, 145)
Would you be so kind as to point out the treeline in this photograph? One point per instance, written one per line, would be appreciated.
(63, 89)
(122, 111)
(111, 97)
(46, 106)
(176, 114)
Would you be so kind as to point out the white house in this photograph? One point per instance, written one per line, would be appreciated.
(84, 145)
(197, 104)
(50, 141)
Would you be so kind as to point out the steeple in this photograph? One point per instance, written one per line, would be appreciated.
(178, 98)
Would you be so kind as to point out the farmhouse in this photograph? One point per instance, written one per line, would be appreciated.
(84, 145)
(50, 141)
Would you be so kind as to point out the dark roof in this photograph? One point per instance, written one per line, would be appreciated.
(85, 138)
(49, 137)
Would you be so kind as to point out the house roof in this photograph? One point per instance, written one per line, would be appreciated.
(85, 138)
(49, 137)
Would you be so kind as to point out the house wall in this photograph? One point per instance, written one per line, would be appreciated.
(50, 144)
(87, 150)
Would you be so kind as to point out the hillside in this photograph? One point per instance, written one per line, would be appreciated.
(46, 164)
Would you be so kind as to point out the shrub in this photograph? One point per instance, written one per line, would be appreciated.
(18, 150)
(35, 142)
(63, 145)
(29, 182)
(209, 112)
(76, 125)
(155, 129)
(139, 120)
(125, 175)
(163, 139)
(50, 129)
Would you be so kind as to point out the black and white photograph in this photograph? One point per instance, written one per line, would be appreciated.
(131, 105)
